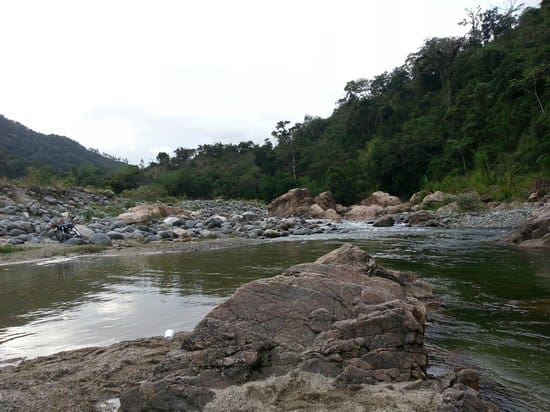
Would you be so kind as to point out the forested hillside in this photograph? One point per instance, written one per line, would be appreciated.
(460, 112)
(22, 148)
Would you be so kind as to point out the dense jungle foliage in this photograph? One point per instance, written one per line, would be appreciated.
(461, 112)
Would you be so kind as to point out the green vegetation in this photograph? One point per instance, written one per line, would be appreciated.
(6, 249)
(44, 158)
(462, 113)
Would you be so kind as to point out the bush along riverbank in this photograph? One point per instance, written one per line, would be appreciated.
(341, 332)
(106, 221)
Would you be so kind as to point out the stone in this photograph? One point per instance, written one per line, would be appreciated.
(17, 232)
(152, 238)
(16, 241)
(436, 198)
(325, 200)
(420, 217)
(332, 318)
(316, 212)
(296, 202)
(360, 212)
(100, 239)
(147, 212)
(332, 214)
(166, 234)
(74, 241)
(385, 221)
(468, 377)
(403, 207)
(115, 235)
(183, 233)
(535, 231)
(302, 231)
(85, 231)
(381, 199)
(50, 199)
(172, 220)
(271, 233)
(417, 198)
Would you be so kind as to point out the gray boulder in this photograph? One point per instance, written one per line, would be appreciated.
(271, 233)
(74, 241)
(152, 238)
(385, 221)
(100, 239)
(115, 235)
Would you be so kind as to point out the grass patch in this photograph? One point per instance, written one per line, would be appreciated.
(494, 186)
(6, 249)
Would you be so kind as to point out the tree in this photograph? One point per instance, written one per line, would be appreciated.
(490, 24)
(163, 159)
(437, 56)
(287, 147)
(182, 156)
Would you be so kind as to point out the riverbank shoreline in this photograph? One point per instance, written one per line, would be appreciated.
(509, 220)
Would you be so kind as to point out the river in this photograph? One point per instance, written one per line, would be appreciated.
(495, 314)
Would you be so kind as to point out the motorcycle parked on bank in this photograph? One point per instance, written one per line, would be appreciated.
(64, 231)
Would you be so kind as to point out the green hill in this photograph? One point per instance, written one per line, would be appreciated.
(461, 112)
(21, 148)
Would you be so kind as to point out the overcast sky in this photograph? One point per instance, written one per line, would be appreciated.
(133, 78)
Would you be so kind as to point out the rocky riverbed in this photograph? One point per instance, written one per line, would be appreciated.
(27, 215)
(342, 332)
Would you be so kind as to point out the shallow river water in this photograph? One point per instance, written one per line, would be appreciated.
(495, 317)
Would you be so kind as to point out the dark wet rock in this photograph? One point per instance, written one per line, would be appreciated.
(74, 241)
(166, 234)
(16, 232)
(152, 238)
(115, 235)
(16, 241)
(385, 221)
(23, 226)
(303, 231)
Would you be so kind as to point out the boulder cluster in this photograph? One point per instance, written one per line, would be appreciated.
(27, 215)
(380, 208)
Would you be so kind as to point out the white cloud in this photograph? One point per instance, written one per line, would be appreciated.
(128, 77)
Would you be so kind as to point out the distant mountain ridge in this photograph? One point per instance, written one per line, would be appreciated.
(21, 148)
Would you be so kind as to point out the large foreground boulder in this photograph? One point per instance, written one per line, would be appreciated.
(342, 317)
(342, 333)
